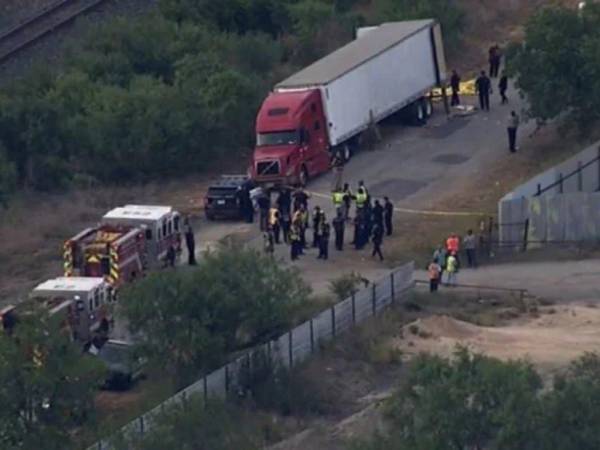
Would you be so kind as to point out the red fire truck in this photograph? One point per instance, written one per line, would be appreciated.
(80, 306)
(161, 225)
(128, 241)
(117, 253)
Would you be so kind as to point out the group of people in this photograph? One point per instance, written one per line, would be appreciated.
(446, 259)
(289, 220)
(483, 87)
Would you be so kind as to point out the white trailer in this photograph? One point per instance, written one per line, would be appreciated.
(386, 69)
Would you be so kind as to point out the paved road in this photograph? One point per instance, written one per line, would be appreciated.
(564, 281)
(412, 166)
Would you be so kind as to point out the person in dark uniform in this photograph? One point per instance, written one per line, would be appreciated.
(324, 241)
(300, 199)
(339, 224)
(483, 86)
(388, 212)
(285, 227)
(245, 203)
(347, 201)
(264, 204)
(455, 85)
(503, 87)
(295, 241)
(284, 202)
(377, 214)
(316, 224)
(190, 243)
(363, 233)
(494, 57)
(377, 240)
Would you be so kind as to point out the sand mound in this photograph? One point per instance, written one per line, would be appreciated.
(550, 341)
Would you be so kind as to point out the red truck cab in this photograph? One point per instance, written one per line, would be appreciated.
(291, 139)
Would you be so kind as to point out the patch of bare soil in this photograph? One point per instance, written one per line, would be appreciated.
(550, 342)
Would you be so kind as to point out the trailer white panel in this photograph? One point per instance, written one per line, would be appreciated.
(381, 72)
(380, 87)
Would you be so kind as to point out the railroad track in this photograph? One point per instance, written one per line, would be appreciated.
(43, 22)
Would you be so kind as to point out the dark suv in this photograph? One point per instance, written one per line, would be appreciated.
(224, 197)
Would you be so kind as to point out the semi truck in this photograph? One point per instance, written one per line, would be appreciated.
(325, 107)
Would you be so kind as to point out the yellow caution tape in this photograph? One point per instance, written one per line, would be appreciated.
(466, 88)
(423, 211)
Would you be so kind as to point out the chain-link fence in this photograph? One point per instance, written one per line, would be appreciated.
(289, 349)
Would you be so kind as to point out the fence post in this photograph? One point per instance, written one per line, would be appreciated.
(393, 288)
(560, 183)
(290, 349)
(141, 425)
(525, 235)
(374, 299)
(226, 379)
(353, 308)
(205, 388)
(312, 336)
(539, 190)
(333, 321)
(579, 177)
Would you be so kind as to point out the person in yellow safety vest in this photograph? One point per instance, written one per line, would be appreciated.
(338, 198)
(275, 223)
(361, 199)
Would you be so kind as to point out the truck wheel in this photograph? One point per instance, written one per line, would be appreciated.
(420, 117)
(347, 152)
(428, 107)
(303, 178)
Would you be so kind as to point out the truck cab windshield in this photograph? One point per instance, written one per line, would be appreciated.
(278, 138)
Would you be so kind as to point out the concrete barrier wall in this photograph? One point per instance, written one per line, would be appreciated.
(555, 216)
(590, 176)
(552, 218)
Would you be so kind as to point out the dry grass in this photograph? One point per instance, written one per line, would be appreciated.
(35, 226)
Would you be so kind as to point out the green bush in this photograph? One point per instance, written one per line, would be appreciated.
(273, 387)
(346, 285)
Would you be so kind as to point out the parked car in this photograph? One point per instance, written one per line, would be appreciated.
(224, 197)
(124, 367)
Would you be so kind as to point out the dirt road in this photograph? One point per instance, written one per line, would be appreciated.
(412, 166)
(564, 281)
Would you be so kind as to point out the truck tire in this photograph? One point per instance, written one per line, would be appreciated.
(420, 115)
(428, 107)
(303, 177)
(347, 152)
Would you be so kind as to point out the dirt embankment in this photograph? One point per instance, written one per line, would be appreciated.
(550, 342)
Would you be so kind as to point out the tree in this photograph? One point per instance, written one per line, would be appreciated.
(572, 409)
(189, 321)
(557, 66)
(8, 177)
(46, 385)
(450, 15)
(477, 402)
